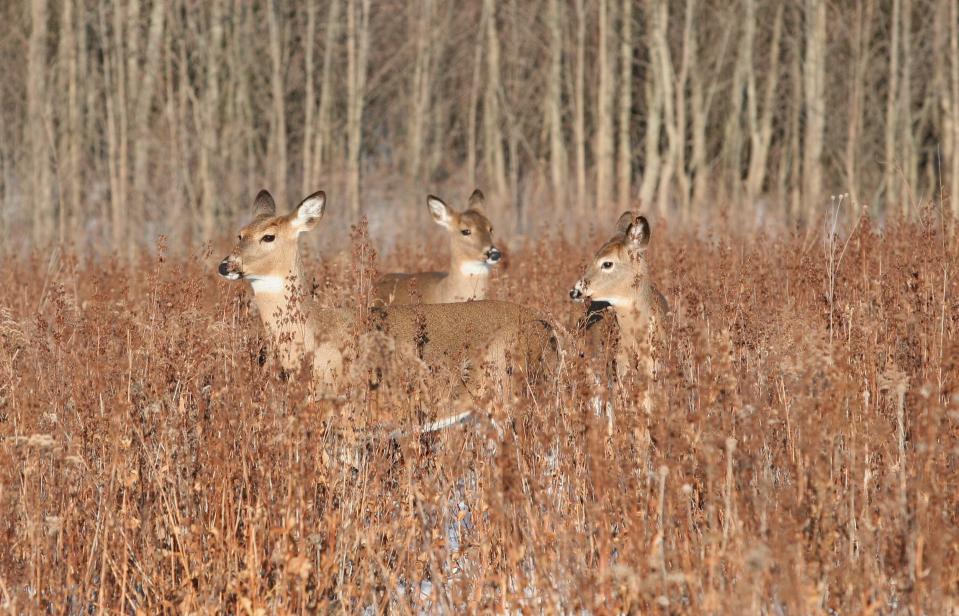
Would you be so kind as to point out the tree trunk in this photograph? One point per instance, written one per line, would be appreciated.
(861, 37)
(604, 112)
(625, 158)
(322, 151)
(890, 186)
(954, 107)
(554, 105)
(40, 174)
(814, 90)
(492, 121)
(357, 41)
(579, 118)
(309, 102)
(652, 159)
(471, 138)
(666, 79)
(761, 127)
(69, 152)
(420, 95)
(909, 147)
(278, 153)
(210, 138)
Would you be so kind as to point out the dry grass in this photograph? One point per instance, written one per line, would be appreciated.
(799, 456)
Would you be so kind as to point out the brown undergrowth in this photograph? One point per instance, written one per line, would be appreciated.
(798, 452)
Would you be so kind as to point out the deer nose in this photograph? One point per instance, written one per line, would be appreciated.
(575, 293)
(493, 254)
(224, 268)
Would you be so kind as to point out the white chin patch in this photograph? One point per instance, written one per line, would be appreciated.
(267, 284)
(475, 268)
(232, 276)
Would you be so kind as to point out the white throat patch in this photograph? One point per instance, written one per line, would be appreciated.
(267, 284)
(615, 302)
(474, 268)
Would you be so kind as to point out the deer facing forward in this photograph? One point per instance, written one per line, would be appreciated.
(472, 254)
(618, 275)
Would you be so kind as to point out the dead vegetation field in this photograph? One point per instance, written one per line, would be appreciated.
(798, 454)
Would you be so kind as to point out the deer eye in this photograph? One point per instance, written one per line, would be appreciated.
(466, 232)
(267, 238)
(607, 265)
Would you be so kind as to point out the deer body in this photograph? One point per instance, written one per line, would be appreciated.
(472, 254)
(450, 335)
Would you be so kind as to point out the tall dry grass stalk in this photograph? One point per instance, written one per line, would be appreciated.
(797, 452)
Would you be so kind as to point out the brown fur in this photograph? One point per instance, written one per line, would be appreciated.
(466, 251)
(454, 336)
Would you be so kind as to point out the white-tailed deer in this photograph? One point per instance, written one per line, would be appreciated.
(472, 254)
(454, 336)
(619, 276)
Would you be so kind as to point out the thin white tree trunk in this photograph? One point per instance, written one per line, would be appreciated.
(39, 161)
(908, 145)
(666, 80)
(652, 159)
(422, 11)
(625, 155)
(322, 150)
(357, 35)
(862, 34)
(210, 137)
(890, 173)
(278, 119)
(761, 123)
(492, 116)
(309, 102)
(146, 86)
(554, 105)
(954, 108)
(814, 96)
(471, 137)
(604, 112)
(70, 142)
(579, 117)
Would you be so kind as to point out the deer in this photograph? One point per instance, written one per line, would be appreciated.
(618, 276)
(458, 337)
(472, 255)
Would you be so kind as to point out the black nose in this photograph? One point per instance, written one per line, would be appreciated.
(224, 268)
(494, 255)
(575, 293)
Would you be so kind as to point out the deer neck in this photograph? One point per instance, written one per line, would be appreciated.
(285, 307)
(468, 277)
(635, 316)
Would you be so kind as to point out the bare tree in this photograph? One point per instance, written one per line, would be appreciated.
(760, 122)
(814, 90)
(624, 159)
(357, 48)
(604, 110)
(492, 122)
(323, 145)
(558, 165)
(422, 14)
(579, 111)
(278, 141)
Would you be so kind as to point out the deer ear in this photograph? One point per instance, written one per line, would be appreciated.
(477, 199)
(441, 213)
(309, 212)
(638, 234)
(624, 222)
(264, 205)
